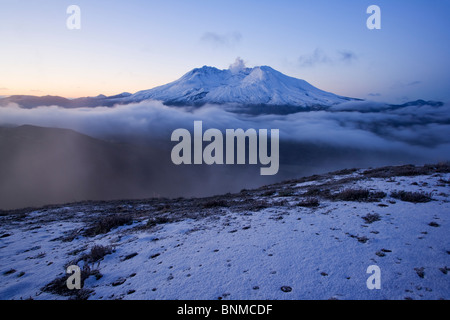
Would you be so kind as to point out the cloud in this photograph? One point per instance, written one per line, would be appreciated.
(361, 124)
(401, 85)
(221, 40)
(347, 56)
(313, 59)
(237, 65)
(319, 57)
(353, 134)
(376, 94)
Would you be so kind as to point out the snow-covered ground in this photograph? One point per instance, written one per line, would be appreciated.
(258, 244)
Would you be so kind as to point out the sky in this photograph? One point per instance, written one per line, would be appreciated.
(137, 45)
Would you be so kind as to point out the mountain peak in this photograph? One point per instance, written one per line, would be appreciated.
(239, 84)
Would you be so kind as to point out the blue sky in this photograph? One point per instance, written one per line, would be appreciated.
(136, 45)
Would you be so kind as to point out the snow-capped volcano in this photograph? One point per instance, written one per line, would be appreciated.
(239, 85)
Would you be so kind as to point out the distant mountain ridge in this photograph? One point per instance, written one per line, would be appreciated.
(29, 101)
(258, 86)
(261, 89)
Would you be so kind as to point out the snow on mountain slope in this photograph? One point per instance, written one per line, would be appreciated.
(238, 84)
(275, 242)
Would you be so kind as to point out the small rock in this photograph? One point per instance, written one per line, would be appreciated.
(362, 239)
(118, 282)
(434, 224)
(444, 270)
(10, 271)
(131, 255)
(420, 272)
(286, 289)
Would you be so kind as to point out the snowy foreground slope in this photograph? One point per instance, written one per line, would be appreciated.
(310, 238)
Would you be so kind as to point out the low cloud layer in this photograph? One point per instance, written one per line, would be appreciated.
(353, 134)
(362, 124)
